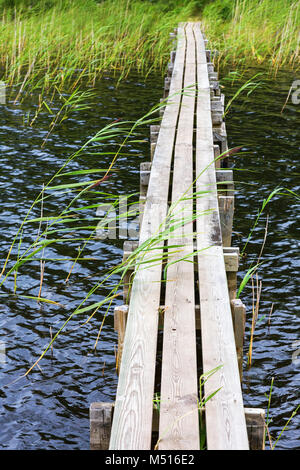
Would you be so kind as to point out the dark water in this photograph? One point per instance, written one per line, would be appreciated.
(272, 140)
(49, 408)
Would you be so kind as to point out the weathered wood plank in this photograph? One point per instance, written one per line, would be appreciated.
(132, 422)
(179, 422)
(225, 419)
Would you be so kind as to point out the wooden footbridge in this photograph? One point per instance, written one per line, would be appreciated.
(187, 201)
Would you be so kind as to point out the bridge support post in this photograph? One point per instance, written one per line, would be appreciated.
(100, 425)
(167, 87)
(120, 321)
(145, 168)
(216, 155)
(231, 258)
(154, 131)
(238, 311)
(226, 210)
(255, 420)
(128, 247)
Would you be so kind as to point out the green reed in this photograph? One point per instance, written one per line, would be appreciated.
(273, 441)
(70, 42)
(254, 31)
(71, 225)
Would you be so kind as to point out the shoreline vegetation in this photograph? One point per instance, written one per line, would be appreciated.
(254, 32)
(62, 43)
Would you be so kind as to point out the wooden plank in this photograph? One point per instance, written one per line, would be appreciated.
(179, 421)
(225, 419)
(132, 422)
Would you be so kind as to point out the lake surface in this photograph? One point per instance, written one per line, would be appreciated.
(49, 408)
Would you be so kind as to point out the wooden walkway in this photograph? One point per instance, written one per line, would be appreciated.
(181, 200)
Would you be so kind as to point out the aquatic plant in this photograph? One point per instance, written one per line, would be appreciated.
(254, 31)
(61, 43)
(253, 268)
(269, 419)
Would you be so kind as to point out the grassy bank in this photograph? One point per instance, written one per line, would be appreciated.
(254, 31)
(49, 43)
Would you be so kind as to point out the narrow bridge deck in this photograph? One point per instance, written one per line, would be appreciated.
(183, 174)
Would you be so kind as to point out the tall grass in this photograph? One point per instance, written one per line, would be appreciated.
(254, 31)
(61, 42)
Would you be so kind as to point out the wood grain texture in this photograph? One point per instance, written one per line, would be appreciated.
(178, 425)
(225, 419)
(132, 422)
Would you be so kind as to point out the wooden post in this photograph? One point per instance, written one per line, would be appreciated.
(217, 118)
(145, 168)
(152, 149)
(210, 67)
(214, 85)
(231, 258)
(216, 155)
(238, 311)
(226, 210)
(255, 419)
(222, 97)
(220, 137)
(213, 76)
(167, 86)
(225, 182)
(217, 110)
(170, 69)
(100, 425)
(120, 321)
(142, 202)
(154, 131)
(224, 145)
(128, 247)
(172, 56)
